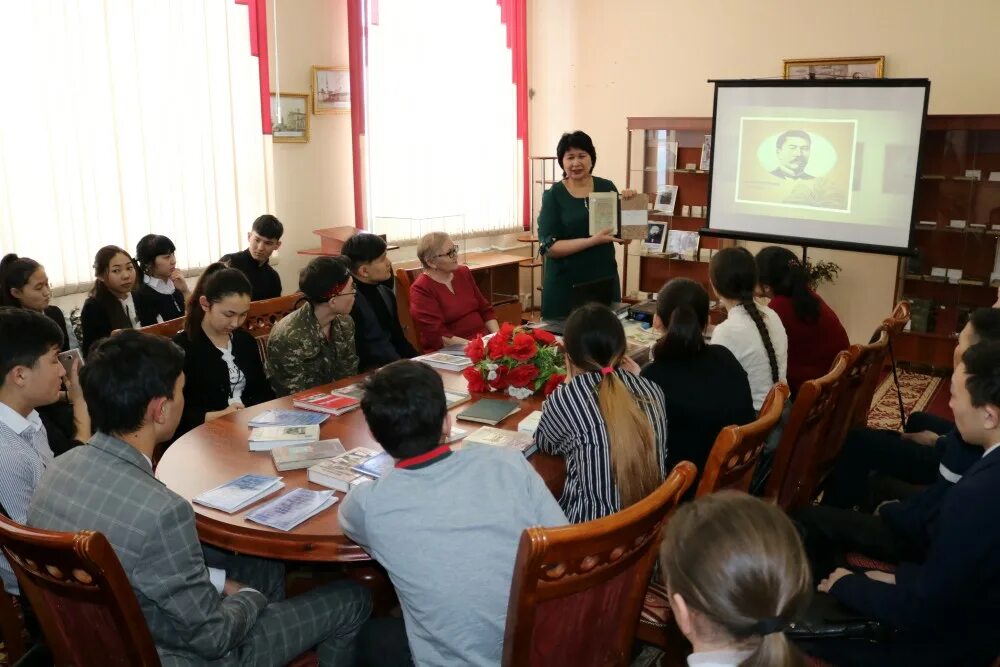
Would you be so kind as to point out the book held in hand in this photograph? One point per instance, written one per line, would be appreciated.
(240, 492)
(334, 404)
(444, 361)
(336, 473)
(297, 457)
(376, 466)
(266, 438)
(499, 437)
(603, 209)
(291, 509)
(488, 411)
(287, 418)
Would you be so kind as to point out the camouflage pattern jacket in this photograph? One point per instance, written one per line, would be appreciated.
(299, 356)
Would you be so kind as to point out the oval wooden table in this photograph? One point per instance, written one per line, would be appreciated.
(217, 452)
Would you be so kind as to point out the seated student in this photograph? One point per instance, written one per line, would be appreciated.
(221, 359)
(314, 345)
(377, 332)
(753, 333)
(445, 302)
(738, 577)
(815, 334)
(24, 284)
(608, 423)
(441, 519)
(163, 286)
(134, 385)
(264, 238)
(112, 304)
(30, 377)
(704, 386)
(944, 605)
(930, 451)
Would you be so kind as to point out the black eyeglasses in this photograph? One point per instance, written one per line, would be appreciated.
(353, 291)
(453, 253)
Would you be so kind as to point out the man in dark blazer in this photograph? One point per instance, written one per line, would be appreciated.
(134, 384)
(378, 335)
(945, 607)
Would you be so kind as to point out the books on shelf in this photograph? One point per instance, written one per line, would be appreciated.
(236, 494)
(287, 418)
(445, 362)
(488, 411)
(603, 209)
(375, 466)
(656, 236)
(334, 404)
(291, 509)
(336, 473)
(266, 438)
(666, 199)
(297, 457)
(530, 423)
(499, 437)
(683, 244)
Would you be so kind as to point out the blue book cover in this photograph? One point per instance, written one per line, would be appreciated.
(288, 418)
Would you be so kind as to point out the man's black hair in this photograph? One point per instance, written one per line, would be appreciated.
(986, 324)
(269, 227)
(362, 249)
(405, 407)
(25, 337)
(785, 136)
(123, 374)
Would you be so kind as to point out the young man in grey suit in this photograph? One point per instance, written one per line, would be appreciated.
(133, 384)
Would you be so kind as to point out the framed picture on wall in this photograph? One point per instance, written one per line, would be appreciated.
(866, 67)
(290, 118)
(331, 89)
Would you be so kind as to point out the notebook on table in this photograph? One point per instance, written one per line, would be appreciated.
(488, 411)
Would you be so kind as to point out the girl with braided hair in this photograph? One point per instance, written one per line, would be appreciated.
(753, 333)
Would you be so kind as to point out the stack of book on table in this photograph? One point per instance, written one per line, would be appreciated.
(298, 457)
(499, 437)
(445, 362)
(266, 438)
(291, 509)
(334, 403)
(338, 473)
(240, 492)
(287, 418)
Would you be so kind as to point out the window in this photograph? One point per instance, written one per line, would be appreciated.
(442, 134)
(126, 118)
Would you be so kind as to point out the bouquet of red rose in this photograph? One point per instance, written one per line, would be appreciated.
(516, 360)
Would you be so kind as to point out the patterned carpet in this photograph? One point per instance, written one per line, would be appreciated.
(918, 390)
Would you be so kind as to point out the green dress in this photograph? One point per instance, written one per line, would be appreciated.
(563, 217)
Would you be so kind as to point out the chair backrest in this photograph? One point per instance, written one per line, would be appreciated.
(578, 590)
(863, 376)
(791, 482)
(265, 313)
(898, 318)
(167, 329)
(80, 595)
(737, 449)
(410, 329)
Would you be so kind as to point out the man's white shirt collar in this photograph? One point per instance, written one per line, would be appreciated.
(18, 423)
(990, 449)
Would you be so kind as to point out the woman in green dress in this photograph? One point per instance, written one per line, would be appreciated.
(572, 255)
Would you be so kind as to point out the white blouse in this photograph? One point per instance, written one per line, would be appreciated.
(739, 334)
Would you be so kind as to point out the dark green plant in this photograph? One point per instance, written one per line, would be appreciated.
(822, 272)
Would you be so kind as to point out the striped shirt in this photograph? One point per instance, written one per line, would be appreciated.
(572, 426)
(24, 454)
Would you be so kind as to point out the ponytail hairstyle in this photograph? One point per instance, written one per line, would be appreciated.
(734, 276)
(779, 269)
(102, 295)
(739, 564)
(216, 283)
(595, 342)
(682, 306)
(324, 278)
(149, 248)
(15, 272)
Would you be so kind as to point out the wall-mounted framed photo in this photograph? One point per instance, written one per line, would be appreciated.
(331, 89)
(866, 67)
(290, 118)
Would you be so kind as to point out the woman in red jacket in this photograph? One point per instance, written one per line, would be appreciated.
(815, 334)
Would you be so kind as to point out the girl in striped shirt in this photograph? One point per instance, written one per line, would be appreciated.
(607, 422)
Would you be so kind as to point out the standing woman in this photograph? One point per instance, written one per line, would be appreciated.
(163, 287)
(607, 422)
(572, 255)
(314, 345)
(111, 304)
(753, 333)
(24, 284)
(222, 367)
(815, 334)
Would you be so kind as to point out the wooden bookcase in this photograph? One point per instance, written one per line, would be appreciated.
(953, 148)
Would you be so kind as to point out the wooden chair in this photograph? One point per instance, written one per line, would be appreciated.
(12, 629)
(792, 483)
(410, 328)
(264, 314)
(897, 320)
(737, 449)
(81, 596)
(577, 590)
(167, 329)
(867, 362)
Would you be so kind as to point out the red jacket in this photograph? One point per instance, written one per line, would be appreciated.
(438, 312)
(811, 345)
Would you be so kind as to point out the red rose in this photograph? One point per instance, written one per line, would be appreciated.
(543, 337)
(523, 375)
(475, 349)
(522, 347)
(506, 330)
(477, 383)
(502, 380)
(554, 381)
(496, 348)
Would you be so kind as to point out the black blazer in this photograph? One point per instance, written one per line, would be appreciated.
(206, 385)
(55, 314)
(98, 322)
(376, 343)
(952, 599)
(152, 304)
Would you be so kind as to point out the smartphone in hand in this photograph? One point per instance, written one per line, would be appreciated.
(68, 357)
